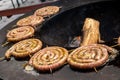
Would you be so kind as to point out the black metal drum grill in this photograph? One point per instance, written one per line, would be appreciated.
(59, 30)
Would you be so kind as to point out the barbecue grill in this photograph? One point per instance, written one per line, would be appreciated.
(60, 30)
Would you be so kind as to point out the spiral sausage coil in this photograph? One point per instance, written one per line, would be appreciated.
(24, 48)
(30, 21)
(86, 57)
(47, 11)
(49, 58)
(20, 33)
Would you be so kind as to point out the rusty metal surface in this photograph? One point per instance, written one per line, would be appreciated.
(106, 12)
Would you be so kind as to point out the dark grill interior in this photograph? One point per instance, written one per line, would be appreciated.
(61, 29)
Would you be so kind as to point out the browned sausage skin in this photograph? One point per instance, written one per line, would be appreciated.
(89, 56)
(31, 20)
(47, 11)
(91, 33)
(24, 48)
(20, 33)
(119, 40)
(49, 58)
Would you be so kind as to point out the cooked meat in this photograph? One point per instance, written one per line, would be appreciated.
(24, 48)
(119, 40)
(20, 33)
(49, 58)
(30, 21)
(47, 11)
(91, 33)
(89, 56)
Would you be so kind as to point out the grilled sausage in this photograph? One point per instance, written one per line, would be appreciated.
(86, 57)
(49, 58)
(24, 48)
(30, 21)
(47, 11)
(20, 33)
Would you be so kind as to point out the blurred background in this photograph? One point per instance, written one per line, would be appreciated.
(12, 4)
